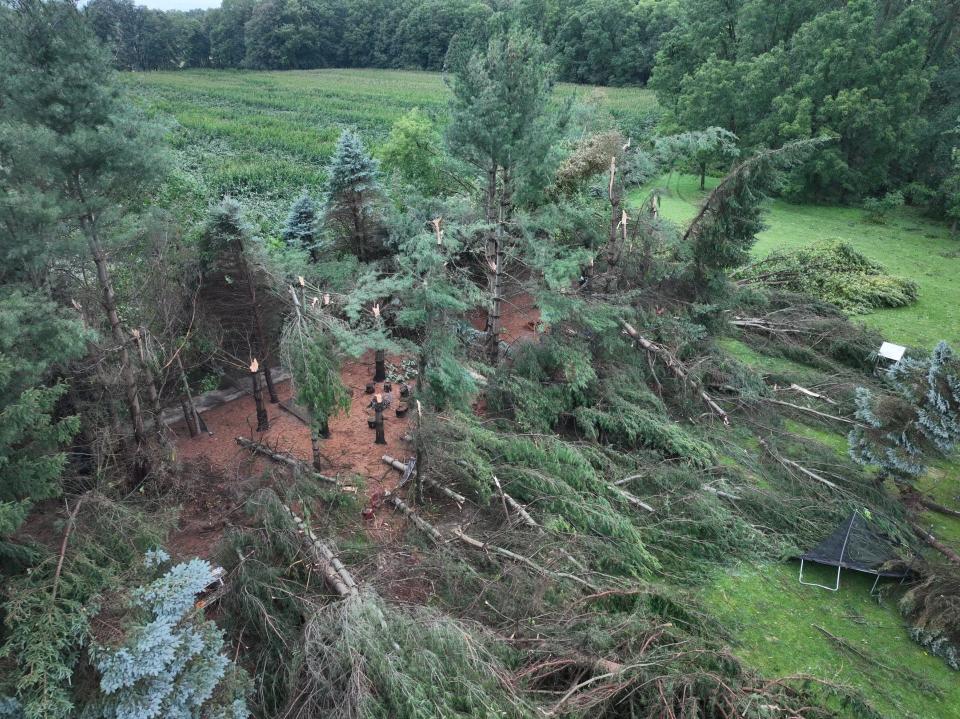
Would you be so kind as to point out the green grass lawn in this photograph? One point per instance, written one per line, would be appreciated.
(908, 245)
(772, 617)
(262, 136)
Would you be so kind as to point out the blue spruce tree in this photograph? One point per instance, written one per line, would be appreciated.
(301, 228)
(171, 663)
(920, 418)
(353, 193)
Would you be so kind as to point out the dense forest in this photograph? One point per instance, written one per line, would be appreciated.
(469, 431)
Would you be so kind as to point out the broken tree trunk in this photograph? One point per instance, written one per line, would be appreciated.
(127, 374)
(263, 348)
(401, 467)
(380, 368)
(146, 363)
(418, 521)
(676, 369)
(281, 458)
(824, 415)
(337, 575)
(935, 507)
(263, 421)
(936, 543)
(378, 407)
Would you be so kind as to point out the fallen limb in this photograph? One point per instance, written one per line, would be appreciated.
(810, 393)
(936, 543)
(676, 368)
(283, 458)
(633, 500)
(400, 466)
(803, 470)
(332, 569)
(519, 558)
(71, 522)
(935, 507)
(824, 415)
(719, 493)
(418, 521)
(516, 507)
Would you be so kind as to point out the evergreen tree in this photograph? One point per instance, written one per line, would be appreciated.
(920, 419)
(503, 123)
(353, 192)
(301, 228)
(35, 337)
(170, 662)
(84, 158)
(720, 237)
(235, 289)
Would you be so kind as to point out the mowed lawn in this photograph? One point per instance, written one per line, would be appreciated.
(263, 136)
(908, 245)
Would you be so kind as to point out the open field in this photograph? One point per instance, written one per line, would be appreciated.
(263, 136)
(908, 245)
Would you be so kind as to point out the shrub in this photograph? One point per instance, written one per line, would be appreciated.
(877, 208)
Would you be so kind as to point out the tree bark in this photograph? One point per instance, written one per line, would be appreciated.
(936, 543)
(263, 348)
(378, 420)
(263, 421)
(127, 375)
(380, 370)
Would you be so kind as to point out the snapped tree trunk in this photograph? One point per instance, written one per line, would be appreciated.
(263, 420)
(263, 347)
(380, 369)
(146, 363)
(378, 420)
(127, 375)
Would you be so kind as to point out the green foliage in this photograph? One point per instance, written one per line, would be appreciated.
(833, 272)
(933, 608)
(312, 359)
(414, 150)
(45, 630)
(170, 661)
(301, 227)
(363, 657)
(700, 150)
(352, 194)
(878, 208)
(858, 70)
(36, 338)
(920, 418)
(721, 235)
(501, 116)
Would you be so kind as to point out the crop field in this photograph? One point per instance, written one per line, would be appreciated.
(262, 136)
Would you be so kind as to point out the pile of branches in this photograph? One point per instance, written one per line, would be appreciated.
(834, 272)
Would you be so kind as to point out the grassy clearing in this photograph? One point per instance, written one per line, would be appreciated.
(772, 617)
(908, 245)
(262, 136)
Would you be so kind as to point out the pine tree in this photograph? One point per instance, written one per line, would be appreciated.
(503, 124)
(726, 227)
(919, 420)
(84, 159)
(234, 287)
(35, 337)
(301, 228)
(171, 662)
(353, 192)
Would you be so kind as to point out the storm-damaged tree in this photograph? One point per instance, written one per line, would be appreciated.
(719, 238)
(504, 124)
(310, 351)
(353, 193)
(84, 161)
(233, 285)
